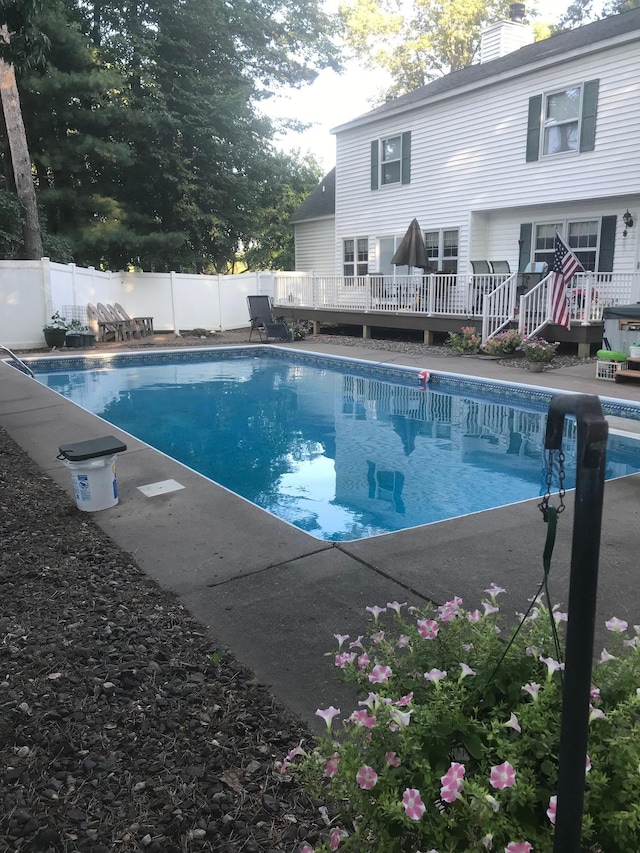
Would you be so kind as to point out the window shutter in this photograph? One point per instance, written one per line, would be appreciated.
(589, 110)
(406, 157)
(374, 164)
(526, 229)
(607, 243)
(533, 128)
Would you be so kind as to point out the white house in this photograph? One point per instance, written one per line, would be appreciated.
(492, 160)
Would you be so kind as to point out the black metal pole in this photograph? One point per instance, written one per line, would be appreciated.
(583, 590)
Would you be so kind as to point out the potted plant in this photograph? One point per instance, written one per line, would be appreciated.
(55, 331)
(538, 352)
(75, 334)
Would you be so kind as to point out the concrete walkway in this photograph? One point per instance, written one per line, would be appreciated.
(276, 595)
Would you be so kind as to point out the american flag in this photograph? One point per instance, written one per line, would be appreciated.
(565, 266)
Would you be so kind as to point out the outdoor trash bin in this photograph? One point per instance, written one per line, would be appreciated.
(93, 471)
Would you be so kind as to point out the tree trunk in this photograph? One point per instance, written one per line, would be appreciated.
(20, 156)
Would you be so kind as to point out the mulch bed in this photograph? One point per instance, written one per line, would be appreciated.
(124, 726)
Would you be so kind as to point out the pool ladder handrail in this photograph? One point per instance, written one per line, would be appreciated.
(19, 361)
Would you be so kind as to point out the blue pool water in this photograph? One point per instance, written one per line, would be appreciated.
(339, 449)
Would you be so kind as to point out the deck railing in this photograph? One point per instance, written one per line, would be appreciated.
(435, 294)
(492, 297)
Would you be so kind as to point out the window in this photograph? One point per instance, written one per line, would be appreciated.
(442, 250)
(391, 160)
(582, 238)
(355, 257)
(391, 151)
(562, 121)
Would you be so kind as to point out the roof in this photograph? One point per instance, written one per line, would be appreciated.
(555, 46)
(320, 202)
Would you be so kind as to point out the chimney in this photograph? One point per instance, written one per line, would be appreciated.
(506, 36)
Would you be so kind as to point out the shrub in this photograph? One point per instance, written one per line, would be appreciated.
(454, 744)
(468, 341)
(538, 349)
(505, 343)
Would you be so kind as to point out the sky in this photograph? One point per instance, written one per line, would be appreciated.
(334, 99)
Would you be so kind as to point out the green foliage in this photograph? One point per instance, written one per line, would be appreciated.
(538, 349)
(11, 219)
(504, 343)
(431, 39)
(465, 343)
(454, 743)
(148, 146)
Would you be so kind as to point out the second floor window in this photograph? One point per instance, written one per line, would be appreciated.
(391, 160)
(561, 121)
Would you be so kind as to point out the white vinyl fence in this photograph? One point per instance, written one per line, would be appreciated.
(31, 291)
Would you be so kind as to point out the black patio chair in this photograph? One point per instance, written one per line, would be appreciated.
(263, 321)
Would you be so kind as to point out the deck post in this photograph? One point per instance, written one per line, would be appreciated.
(427, 337)
(366, 332)
(316, 327)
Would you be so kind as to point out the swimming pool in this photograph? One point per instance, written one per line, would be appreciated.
(341, 448)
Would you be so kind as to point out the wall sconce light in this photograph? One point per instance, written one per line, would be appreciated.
(628, 222)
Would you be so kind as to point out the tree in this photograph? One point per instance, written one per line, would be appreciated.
(581, 12)
(151, 150)
(432, 38)
(21, 43)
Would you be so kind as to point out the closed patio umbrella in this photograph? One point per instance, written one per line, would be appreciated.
(412, 251)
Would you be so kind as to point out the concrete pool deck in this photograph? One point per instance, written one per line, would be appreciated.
(275, 595)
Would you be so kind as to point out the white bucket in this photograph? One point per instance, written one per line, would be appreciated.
(94, 482)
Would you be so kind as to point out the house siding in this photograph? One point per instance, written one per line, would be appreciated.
(315, 244)
(468, 163)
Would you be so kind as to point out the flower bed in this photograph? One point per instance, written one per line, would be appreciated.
(454, 744)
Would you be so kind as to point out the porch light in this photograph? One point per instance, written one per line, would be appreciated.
(628, 222)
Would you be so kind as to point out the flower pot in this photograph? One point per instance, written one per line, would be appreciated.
(88, 339)
(74, 339)
(55, 337)
(634, 352)
(536, 366)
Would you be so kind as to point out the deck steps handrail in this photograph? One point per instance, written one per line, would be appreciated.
(499, 307)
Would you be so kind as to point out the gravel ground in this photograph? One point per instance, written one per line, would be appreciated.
(123, 726)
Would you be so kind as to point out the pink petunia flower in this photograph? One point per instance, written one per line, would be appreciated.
(489, 608)
(341, 639)
(616, 625)
(605, 657)
(393, 605)
(331, 767)
(474, 616)
(328, 714)
(357, 643)
(518, 847)
(513, 723)
(336, 837)
(361, 718)
(450, 609)
(502, 776)
(372, 701)
(452, 782)
(363, 660)
(343, 659)
(552, 665)
(403, 641)
(587, 765)
(392, 759)
(596, 714)
(400, 718)
(551, 811)
(306, 849)
(380, 674)
(412, 803)
(435, 675)
(494, 590)
(404, 700)
(366, 777)
(466, 670)
(378, 637)
(532, 689)
(375, 611)
(428, 629)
